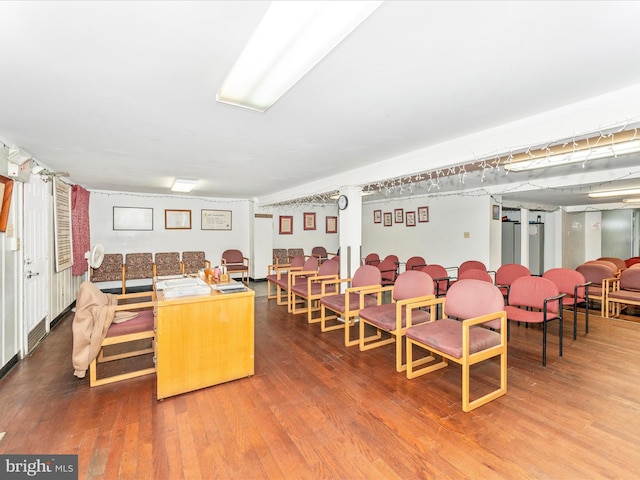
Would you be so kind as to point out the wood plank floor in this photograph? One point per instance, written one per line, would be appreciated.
(316, 409)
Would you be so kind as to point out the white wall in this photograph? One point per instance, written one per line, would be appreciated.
(442, 239)
(306, 239)
(212, 242)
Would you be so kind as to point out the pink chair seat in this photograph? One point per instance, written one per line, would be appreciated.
(384, 316)
(338, 304)
(446, 336)
(142, 323)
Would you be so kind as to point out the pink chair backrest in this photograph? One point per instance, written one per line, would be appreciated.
(508, 272)
(594, 272)
(310, 263)
(472, 298)
(532, 291)
(618, 262)
(393, 258)
(566, 280)
(471, 264)
(630, 279)
(388, 269)
(475, 274)
(372, 259)
(414, 262)
(412, 284)
(330, 267)
(610, 265)
(297, 261)
(366, 275)
(320, 251)
(233, 256)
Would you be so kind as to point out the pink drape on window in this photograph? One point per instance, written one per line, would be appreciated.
(80, 228)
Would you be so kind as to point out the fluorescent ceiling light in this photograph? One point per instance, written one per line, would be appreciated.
(575, 157)
(615, 193)
(290, 40)
(184, 186)
(631, 200)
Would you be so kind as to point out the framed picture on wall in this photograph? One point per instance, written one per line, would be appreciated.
(286, 225)
(377, 216)
(177, 219)
(131, 218)
(410, 219)
(332, 225)
(215, 219)
(399, 215)
(309, 220)
(423, 214)
(387, 219)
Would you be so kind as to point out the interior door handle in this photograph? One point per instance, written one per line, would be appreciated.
(30, 274)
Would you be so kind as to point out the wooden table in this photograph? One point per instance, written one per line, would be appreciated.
(203, 340)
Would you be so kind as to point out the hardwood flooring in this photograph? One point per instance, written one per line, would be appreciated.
(316, 409)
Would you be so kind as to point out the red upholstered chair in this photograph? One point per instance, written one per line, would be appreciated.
(308, 269)
(388, 270)
(624, 291)
(339, 310)
(632, 261)
(618, 262)
(507, 273)
(321, 253)
(308, 293)
(600, 276)
(235, 262)
(441, 278)
(372, 259)
(278, 279)
(475, 274)
(576, 289)
(479, 334)
(471, 265)
(415, 263)
(610, 265)
(541, 294)
(412, 286)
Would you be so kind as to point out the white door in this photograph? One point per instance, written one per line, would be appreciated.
(35, 248)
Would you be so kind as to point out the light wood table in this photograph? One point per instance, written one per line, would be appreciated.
(203, 340)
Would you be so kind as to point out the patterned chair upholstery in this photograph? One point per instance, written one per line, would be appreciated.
(137, 266)
(167, 263)
(280, 256)
(294, 252)
(194, 261)
(112, 269)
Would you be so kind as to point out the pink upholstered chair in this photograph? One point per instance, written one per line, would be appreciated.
(631, 261)
(440, 277)
(576, 289)
(541, 295)
(624, 291)
(388, 270)
(278, 279)
(235, 262)
(475, 274)
(321, 253)
(471, 265)
(308, 269)
(305, 296)
(415, 263)
(412, 286)
(339, 310)
(600, 275)
(618, 262)
(507, 273)
(478, 334)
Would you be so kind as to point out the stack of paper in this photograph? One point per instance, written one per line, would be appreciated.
(183, 287)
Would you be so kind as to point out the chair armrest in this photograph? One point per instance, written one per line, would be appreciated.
(432, 303)
(332, 281)
(125, 296)
(557, 298)
(470, 322)
(586, 290)
(400, 304)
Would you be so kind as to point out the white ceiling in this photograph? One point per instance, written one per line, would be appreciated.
(122, 94)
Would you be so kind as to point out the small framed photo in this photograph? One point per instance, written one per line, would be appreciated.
(286, 225)
(423, 214)
(332, 225)
(177, 219)
(377, 216)
(387, 219)
(495, 212)
(309, 220)
(399, 215)
(410, 219)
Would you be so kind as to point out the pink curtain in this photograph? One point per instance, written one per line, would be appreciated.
(80, 228)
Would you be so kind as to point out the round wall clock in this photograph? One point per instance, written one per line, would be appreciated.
(343, 201)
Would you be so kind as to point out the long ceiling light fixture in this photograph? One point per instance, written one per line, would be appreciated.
(290, 40)
(615, 193)
(576, 155)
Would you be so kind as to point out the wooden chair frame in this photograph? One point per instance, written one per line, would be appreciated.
(311, 301)
(466, 360)
(348, 316)
(377, 340)
(616, 305)
(94, 381)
